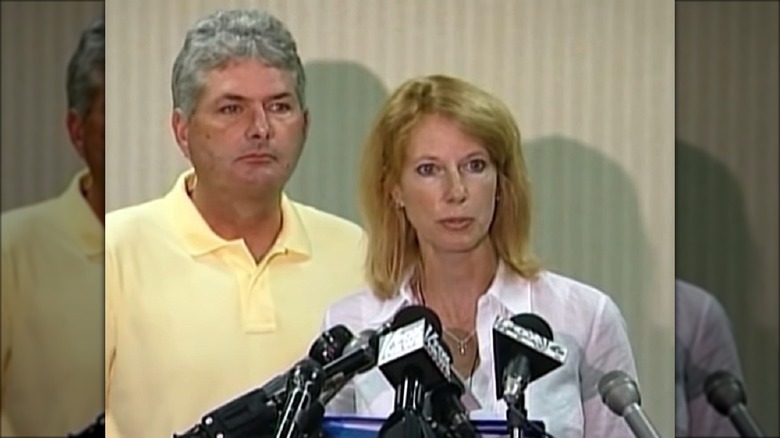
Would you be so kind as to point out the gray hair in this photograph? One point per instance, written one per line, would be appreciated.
(86, 67)
(228, 35)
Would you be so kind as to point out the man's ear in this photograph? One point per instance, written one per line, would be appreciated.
(180, 125)
(306, 123)
(75, 126)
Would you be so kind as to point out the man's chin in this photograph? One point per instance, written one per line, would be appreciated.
(264, 183)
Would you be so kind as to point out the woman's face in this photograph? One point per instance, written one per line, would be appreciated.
(447, 187)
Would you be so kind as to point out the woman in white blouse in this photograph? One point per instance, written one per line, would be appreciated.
(446, 203)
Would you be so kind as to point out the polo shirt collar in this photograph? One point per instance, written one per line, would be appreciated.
(198, 237)
(77, 219)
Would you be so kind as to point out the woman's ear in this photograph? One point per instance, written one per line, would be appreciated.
(395, 194)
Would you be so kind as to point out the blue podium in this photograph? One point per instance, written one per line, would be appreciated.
(368, 427)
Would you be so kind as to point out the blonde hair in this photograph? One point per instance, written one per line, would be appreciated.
(392, 243)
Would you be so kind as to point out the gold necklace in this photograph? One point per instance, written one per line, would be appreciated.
(462, 343)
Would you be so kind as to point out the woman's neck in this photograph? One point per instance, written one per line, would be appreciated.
(451, 283)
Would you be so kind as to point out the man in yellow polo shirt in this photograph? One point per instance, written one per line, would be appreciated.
(52, 278)
(221, 284)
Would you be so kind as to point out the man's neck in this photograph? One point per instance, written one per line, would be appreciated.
(257, 221)
(95, 194)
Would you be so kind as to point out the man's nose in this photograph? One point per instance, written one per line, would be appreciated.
(260, 127)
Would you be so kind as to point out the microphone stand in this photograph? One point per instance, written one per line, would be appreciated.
(407, 421)
(304, 388)
(257, 415)
(515, 382)
(516, 415)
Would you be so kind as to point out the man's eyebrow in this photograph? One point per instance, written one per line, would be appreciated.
(231, 96)
(238, 97)
(282, 95)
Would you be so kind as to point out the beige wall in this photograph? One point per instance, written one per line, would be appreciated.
(591, 84)
(727, 160)
(38, 39)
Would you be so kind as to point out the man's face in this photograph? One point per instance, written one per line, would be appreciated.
(88, 133)
(247, 130)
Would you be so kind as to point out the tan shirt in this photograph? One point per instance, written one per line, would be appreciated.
(193, 321)
(52, 316)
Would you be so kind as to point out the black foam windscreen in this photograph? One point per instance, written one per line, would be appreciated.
(525, 336)
(330, 344)
(413, 313)
(534, 323)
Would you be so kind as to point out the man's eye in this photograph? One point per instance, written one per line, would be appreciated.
(279, 107)
(230, 109)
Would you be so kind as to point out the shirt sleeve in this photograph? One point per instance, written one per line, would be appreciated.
(607, 349)
(712, 349)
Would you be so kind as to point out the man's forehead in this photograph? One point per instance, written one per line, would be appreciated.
(249, 79)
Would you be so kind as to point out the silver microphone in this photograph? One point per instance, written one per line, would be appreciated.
(620, 393)
(725, 394)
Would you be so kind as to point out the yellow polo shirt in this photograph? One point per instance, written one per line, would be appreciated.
(192, 321)
(52, 316)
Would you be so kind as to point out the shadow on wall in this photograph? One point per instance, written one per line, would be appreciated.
(714, 250)
(712, 242)
(343, 99)
(586, 220)
(587, 226)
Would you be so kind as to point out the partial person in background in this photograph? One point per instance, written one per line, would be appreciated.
(704, 344)
(219, 285)
(52, 277)
(446, 202)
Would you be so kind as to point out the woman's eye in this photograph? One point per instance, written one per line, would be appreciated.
(477, 165)
(426, 169)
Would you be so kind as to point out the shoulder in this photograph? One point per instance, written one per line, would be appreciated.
(697, 312)
(318, 221)
(577, 309)
(335, 240)
(574, 294)
(20, 224)
(589, 320)
(690, 297)
(359, 310)
(125, 224)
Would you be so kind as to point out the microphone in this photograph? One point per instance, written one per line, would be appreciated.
(330, 345)
(619, 392)
(359, 356)
(256, 412)
(305, 383)
(412, 359)
(446, 407)
(524, 351)
(726, 394)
